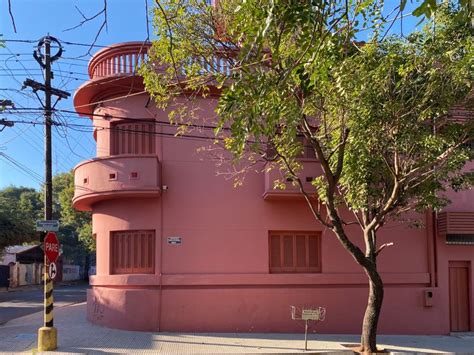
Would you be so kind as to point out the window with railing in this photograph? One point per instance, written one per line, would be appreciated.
(132, 252)
(294, 252)
(132, 138)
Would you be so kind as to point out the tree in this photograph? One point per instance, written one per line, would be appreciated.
(19, 209)
(75, 227)
(376, 114)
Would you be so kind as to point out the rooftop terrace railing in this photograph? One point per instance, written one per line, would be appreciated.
(122, 58)
(126, 58)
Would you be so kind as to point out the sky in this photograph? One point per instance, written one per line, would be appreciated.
(22, 146)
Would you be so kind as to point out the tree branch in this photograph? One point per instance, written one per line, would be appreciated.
(303, 191)
(88, 19)
(11, 15)
(382, 247)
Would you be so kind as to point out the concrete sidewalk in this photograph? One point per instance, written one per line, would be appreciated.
(76, 335)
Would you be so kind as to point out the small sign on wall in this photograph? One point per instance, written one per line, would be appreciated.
(174, 240)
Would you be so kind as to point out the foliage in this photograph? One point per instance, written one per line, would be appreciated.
(377, 114)
(19, 209)
(75, 227)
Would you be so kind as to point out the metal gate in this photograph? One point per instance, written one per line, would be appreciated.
(4, 275)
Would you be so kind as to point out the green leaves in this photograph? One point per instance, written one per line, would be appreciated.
(296, 70)
(426, 8)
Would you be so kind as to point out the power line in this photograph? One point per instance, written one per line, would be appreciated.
(107, 117)
(90, 129)
(38, 69)
(21, 167)
(20, 40)
(64, 42)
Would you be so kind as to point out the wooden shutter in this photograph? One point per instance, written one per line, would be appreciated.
(132, 252)
(294, 252)
(459, 307)
(133, 138)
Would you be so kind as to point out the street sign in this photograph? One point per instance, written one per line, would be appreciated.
(51, 247)
(174, 240)
(47, 226)
(310, 314)
(52, 271)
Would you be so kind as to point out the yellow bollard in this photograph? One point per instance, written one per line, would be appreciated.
(48, 335)
(47, 339)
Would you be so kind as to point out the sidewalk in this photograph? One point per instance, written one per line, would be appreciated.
(76, 335)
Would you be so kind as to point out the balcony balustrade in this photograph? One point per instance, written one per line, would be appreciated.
(116, 176)
(310, 169)
(119, 59)
(125, 59)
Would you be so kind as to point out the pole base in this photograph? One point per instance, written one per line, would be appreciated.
(47, 339)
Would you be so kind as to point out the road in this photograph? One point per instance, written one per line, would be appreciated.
(16, 304)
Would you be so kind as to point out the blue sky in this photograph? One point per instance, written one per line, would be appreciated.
(21, 147)
(23, 143)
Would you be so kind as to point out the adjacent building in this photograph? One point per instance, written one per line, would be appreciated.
(180, 249)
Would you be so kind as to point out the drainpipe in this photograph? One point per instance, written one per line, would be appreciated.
(161, 232)
(435, 247)
(160, 176)
(431, 232)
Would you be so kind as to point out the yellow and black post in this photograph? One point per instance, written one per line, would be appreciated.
(48, 301)
(47, 334)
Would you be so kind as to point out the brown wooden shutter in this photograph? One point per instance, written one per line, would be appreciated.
(132, 252)
(133, 138)
(301, 251)
(313, 249)
(294, 252)
(288, 251)
(275, 251)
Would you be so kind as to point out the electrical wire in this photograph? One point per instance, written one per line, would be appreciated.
(22, 168)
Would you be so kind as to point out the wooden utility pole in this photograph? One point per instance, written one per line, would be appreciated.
(48, 193)
(47, 335)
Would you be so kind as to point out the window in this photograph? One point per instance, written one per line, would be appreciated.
(295, 252)
(132, 252)
(132, 138)
(308, 150)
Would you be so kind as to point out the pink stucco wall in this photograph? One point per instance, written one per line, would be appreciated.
(218, 279)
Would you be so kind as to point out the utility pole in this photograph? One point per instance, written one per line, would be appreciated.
(48, 193)
(47, 335)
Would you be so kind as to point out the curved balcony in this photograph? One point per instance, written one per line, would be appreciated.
(119, 59)
(113, 177)
(113, 73)
(310, 169)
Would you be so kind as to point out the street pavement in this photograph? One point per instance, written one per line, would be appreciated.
(27, 300)
(76, 335)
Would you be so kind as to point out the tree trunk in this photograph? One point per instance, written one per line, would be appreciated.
(372, 313)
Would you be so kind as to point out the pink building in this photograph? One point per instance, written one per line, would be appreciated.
(180, 249)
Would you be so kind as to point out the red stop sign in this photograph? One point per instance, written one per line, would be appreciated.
(51, 247)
